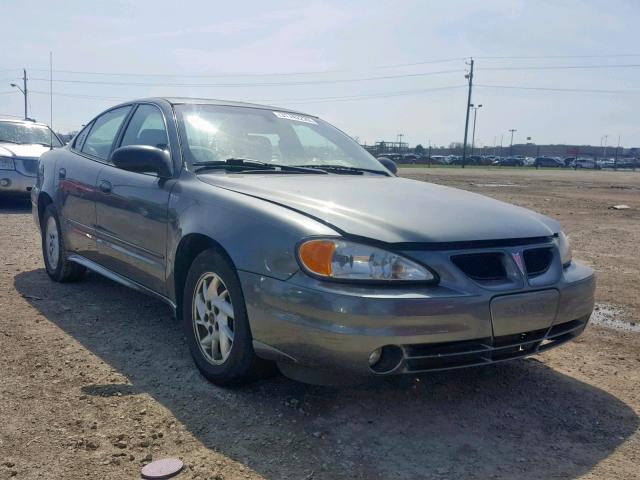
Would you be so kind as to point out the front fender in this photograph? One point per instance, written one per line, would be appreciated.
(259, 236)
(46, 181)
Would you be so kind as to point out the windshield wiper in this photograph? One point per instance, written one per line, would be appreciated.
(10, 141)
(342, 169)
(248, 165)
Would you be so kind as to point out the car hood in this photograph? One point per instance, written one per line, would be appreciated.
(29, 150)
(392, 209)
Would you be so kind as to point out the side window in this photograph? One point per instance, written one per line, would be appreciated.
(146, 128)
(81, 137)
(103, 132)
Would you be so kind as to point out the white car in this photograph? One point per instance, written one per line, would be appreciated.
(21, 144)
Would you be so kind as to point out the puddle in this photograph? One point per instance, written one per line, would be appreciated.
(612, 317)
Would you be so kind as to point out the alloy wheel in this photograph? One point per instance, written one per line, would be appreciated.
(213, 318)
(52, 245)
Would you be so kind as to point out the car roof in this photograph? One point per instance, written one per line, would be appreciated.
(8, 118)
(217, 102)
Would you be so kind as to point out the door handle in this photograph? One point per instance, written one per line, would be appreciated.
(105, 186)
(62, 173)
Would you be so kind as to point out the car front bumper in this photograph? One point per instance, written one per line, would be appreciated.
(335, 327)
(14, 182)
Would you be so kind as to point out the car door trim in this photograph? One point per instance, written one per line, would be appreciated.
(116, 277)
(103, 237)
(84, 229)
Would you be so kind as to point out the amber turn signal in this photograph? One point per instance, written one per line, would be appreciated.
(317, 256)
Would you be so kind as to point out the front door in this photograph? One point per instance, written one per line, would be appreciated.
(132, 208)
(77, 172)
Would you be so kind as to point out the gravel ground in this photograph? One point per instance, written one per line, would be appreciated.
(96, 380)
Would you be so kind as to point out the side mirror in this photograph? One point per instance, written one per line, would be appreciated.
(389, 164)
(143, 159)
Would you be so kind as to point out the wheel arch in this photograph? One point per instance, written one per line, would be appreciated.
(44, 200)
(190, 246)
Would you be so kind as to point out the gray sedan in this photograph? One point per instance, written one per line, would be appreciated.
(277, 239)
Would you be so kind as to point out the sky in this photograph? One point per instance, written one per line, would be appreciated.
(559, 71)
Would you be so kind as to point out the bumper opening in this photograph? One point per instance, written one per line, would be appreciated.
(442, 356)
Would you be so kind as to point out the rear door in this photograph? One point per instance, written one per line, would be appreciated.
(132, 208)
(77, 173)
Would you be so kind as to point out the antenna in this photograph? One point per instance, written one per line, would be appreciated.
(51, 100)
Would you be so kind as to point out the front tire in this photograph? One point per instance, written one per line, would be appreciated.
(56, 261)
(215, 321)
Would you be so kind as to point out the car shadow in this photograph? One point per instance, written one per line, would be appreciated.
(516, 420)
(10, 204)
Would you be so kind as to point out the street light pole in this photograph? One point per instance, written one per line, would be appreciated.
(24, 83)
(512, 130)
(23, 90)
(473, 135)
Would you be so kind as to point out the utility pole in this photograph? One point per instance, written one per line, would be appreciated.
(24, 91)
(400, 135)
(429, 153)
(469, 76)
(494, 145)
(512, 130)
(615, 160)
(604, 152)
(473, 135)
(501, 139)
(24, 83)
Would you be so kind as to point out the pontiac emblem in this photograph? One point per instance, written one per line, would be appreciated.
(517, 257)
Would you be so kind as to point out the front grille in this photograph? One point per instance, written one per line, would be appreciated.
(27, 166)
(537, 260)
(448, 355)
(482, 266)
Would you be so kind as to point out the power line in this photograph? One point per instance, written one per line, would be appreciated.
(562, 67)
(531, 57)
(284, 100)
(365, 97)
(197, 75)
(553, 89)
(309, 100)
(258, 84)
(246, 74)
(425, 62)
(77, 95)
(319, 72)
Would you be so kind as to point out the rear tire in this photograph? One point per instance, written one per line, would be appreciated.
(215, 321)
(54, 252)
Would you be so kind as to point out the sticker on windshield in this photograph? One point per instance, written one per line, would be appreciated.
(295, 117)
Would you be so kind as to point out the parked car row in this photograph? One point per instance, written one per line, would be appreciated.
(515, 161)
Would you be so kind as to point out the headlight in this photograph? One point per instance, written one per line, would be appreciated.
(6, 163)
(565, 249)
(338, 259)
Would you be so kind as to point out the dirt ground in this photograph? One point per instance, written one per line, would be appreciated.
(95, 379)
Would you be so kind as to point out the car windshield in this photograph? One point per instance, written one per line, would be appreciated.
(213, 133)
(25, 133)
